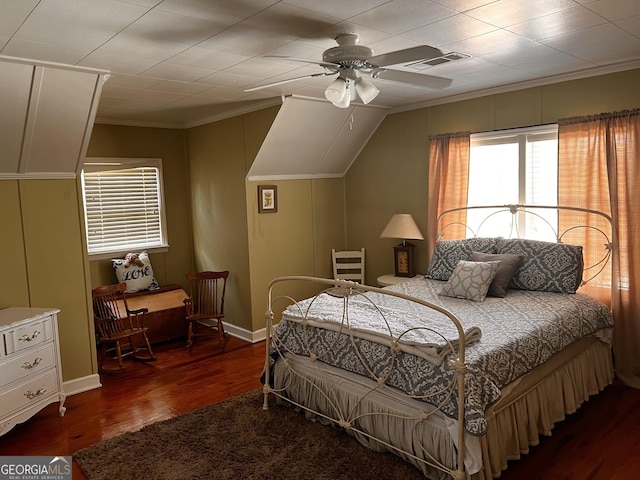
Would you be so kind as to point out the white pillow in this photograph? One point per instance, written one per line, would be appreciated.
(470, 280)
(136, 277)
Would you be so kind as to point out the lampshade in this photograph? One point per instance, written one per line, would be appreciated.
(402, 225)
(335, 92)
(366, 90)
(345, 101)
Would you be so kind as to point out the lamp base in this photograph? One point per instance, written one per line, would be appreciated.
(403, 260)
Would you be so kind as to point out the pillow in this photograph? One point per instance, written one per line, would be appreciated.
(470, 280)
(509, 263)
(136, 277)
(448, 252)
(547, 266)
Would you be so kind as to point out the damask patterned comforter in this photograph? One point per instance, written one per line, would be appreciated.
(518, 333)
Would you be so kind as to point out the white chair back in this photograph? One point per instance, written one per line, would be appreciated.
(348, 265)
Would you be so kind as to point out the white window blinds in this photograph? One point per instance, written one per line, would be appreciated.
(123, 207)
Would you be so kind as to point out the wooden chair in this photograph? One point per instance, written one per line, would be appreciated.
(348, 265)
(117, 326)
(206, 304)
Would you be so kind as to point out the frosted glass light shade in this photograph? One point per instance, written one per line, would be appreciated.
(335, 92)
(402, 225)
(366, 90)
(345, 101)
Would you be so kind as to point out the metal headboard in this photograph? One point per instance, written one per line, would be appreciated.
(599, 224)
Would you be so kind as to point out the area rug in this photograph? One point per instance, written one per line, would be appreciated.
(237, 439)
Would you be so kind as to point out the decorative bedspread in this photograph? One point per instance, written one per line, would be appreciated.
(519, 333)
(407, 326)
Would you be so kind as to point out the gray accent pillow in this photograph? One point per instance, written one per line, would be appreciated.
(448, 253)
(547, 266)
(509, 263)
(470, 280)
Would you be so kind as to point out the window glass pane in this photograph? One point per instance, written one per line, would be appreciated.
(493, 180)
(542, 186)
(513, 167)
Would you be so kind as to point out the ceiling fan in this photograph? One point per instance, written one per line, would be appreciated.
(350, 62)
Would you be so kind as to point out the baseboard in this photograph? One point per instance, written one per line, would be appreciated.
(82, 384)
(246, 335)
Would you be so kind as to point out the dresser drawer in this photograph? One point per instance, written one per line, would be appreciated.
(30, 392)
(27, 336)
(21, 365)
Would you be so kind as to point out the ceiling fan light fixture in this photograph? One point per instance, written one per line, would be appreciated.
(336, 91)
(367, 91)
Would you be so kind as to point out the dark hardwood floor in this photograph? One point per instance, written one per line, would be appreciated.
(177, 382)
(599, 442)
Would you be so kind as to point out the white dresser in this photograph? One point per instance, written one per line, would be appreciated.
(30, 373)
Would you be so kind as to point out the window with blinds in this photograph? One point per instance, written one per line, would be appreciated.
(518, 166)
(123, 205)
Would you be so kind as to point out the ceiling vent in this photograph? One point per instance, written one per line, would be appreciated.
(433, 62)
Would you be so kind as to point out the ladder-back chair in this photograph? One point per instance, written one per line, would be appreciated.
(206, 305)
(348, 265)
(119, 327)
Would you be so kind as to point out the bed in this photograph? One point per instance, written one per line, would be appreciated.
(463, 369)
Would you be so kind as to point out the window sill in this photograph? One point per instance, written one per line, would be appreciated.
(122, 253)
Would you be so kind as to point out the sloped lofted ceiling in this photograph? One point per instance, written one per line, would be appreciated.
(313, 139)
(46, 117)
(49, 111)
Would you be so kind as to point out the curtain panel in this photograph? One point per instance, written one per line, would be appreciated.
(599, 168)
(448, 182)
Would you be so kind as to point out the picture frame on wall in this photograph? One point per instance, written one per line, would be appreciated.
(267, 198)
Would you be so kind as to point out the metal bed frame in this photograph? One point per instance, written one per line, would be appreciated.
(349, 420)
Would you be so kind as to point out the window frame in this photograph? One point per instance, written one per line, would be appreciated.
(102, 164)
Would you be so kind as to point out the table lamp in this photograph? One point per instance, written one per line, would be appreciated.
(402, 225)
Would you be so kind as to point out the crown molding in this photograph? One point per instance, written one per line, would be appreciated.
(577, 75)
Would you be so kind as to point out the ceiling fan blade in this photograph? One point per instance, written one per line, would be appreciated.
(428, 81)
(281, 82)
(304, 60)
(408, 55)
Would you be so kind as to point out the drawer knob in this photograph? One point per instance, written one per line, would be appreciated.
(29, 366)
(31, 395)
(27, 338)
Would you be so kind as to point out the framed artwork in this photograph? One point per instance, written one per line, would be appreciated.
(267, 198)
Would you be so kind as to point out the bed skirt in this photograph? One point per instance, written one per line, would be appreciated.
(542, 398)
(529, 408)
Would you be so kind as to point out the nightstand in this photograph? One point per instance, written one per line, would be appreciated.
(391, 279)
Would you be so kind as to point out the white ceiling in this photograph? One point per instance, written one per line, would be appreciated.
(184, 62)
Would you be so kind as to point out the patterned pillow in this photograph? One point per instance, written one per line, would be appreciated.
(547, 266)
(136, 277)
(448, 253)
(470, 280)
(509, 263)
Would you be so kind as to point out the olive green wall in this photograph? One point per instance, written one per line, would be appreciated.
(228, 232)
(43, 262)
(217, 168)
(169, 145)
(296, 240)
(390, 175)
